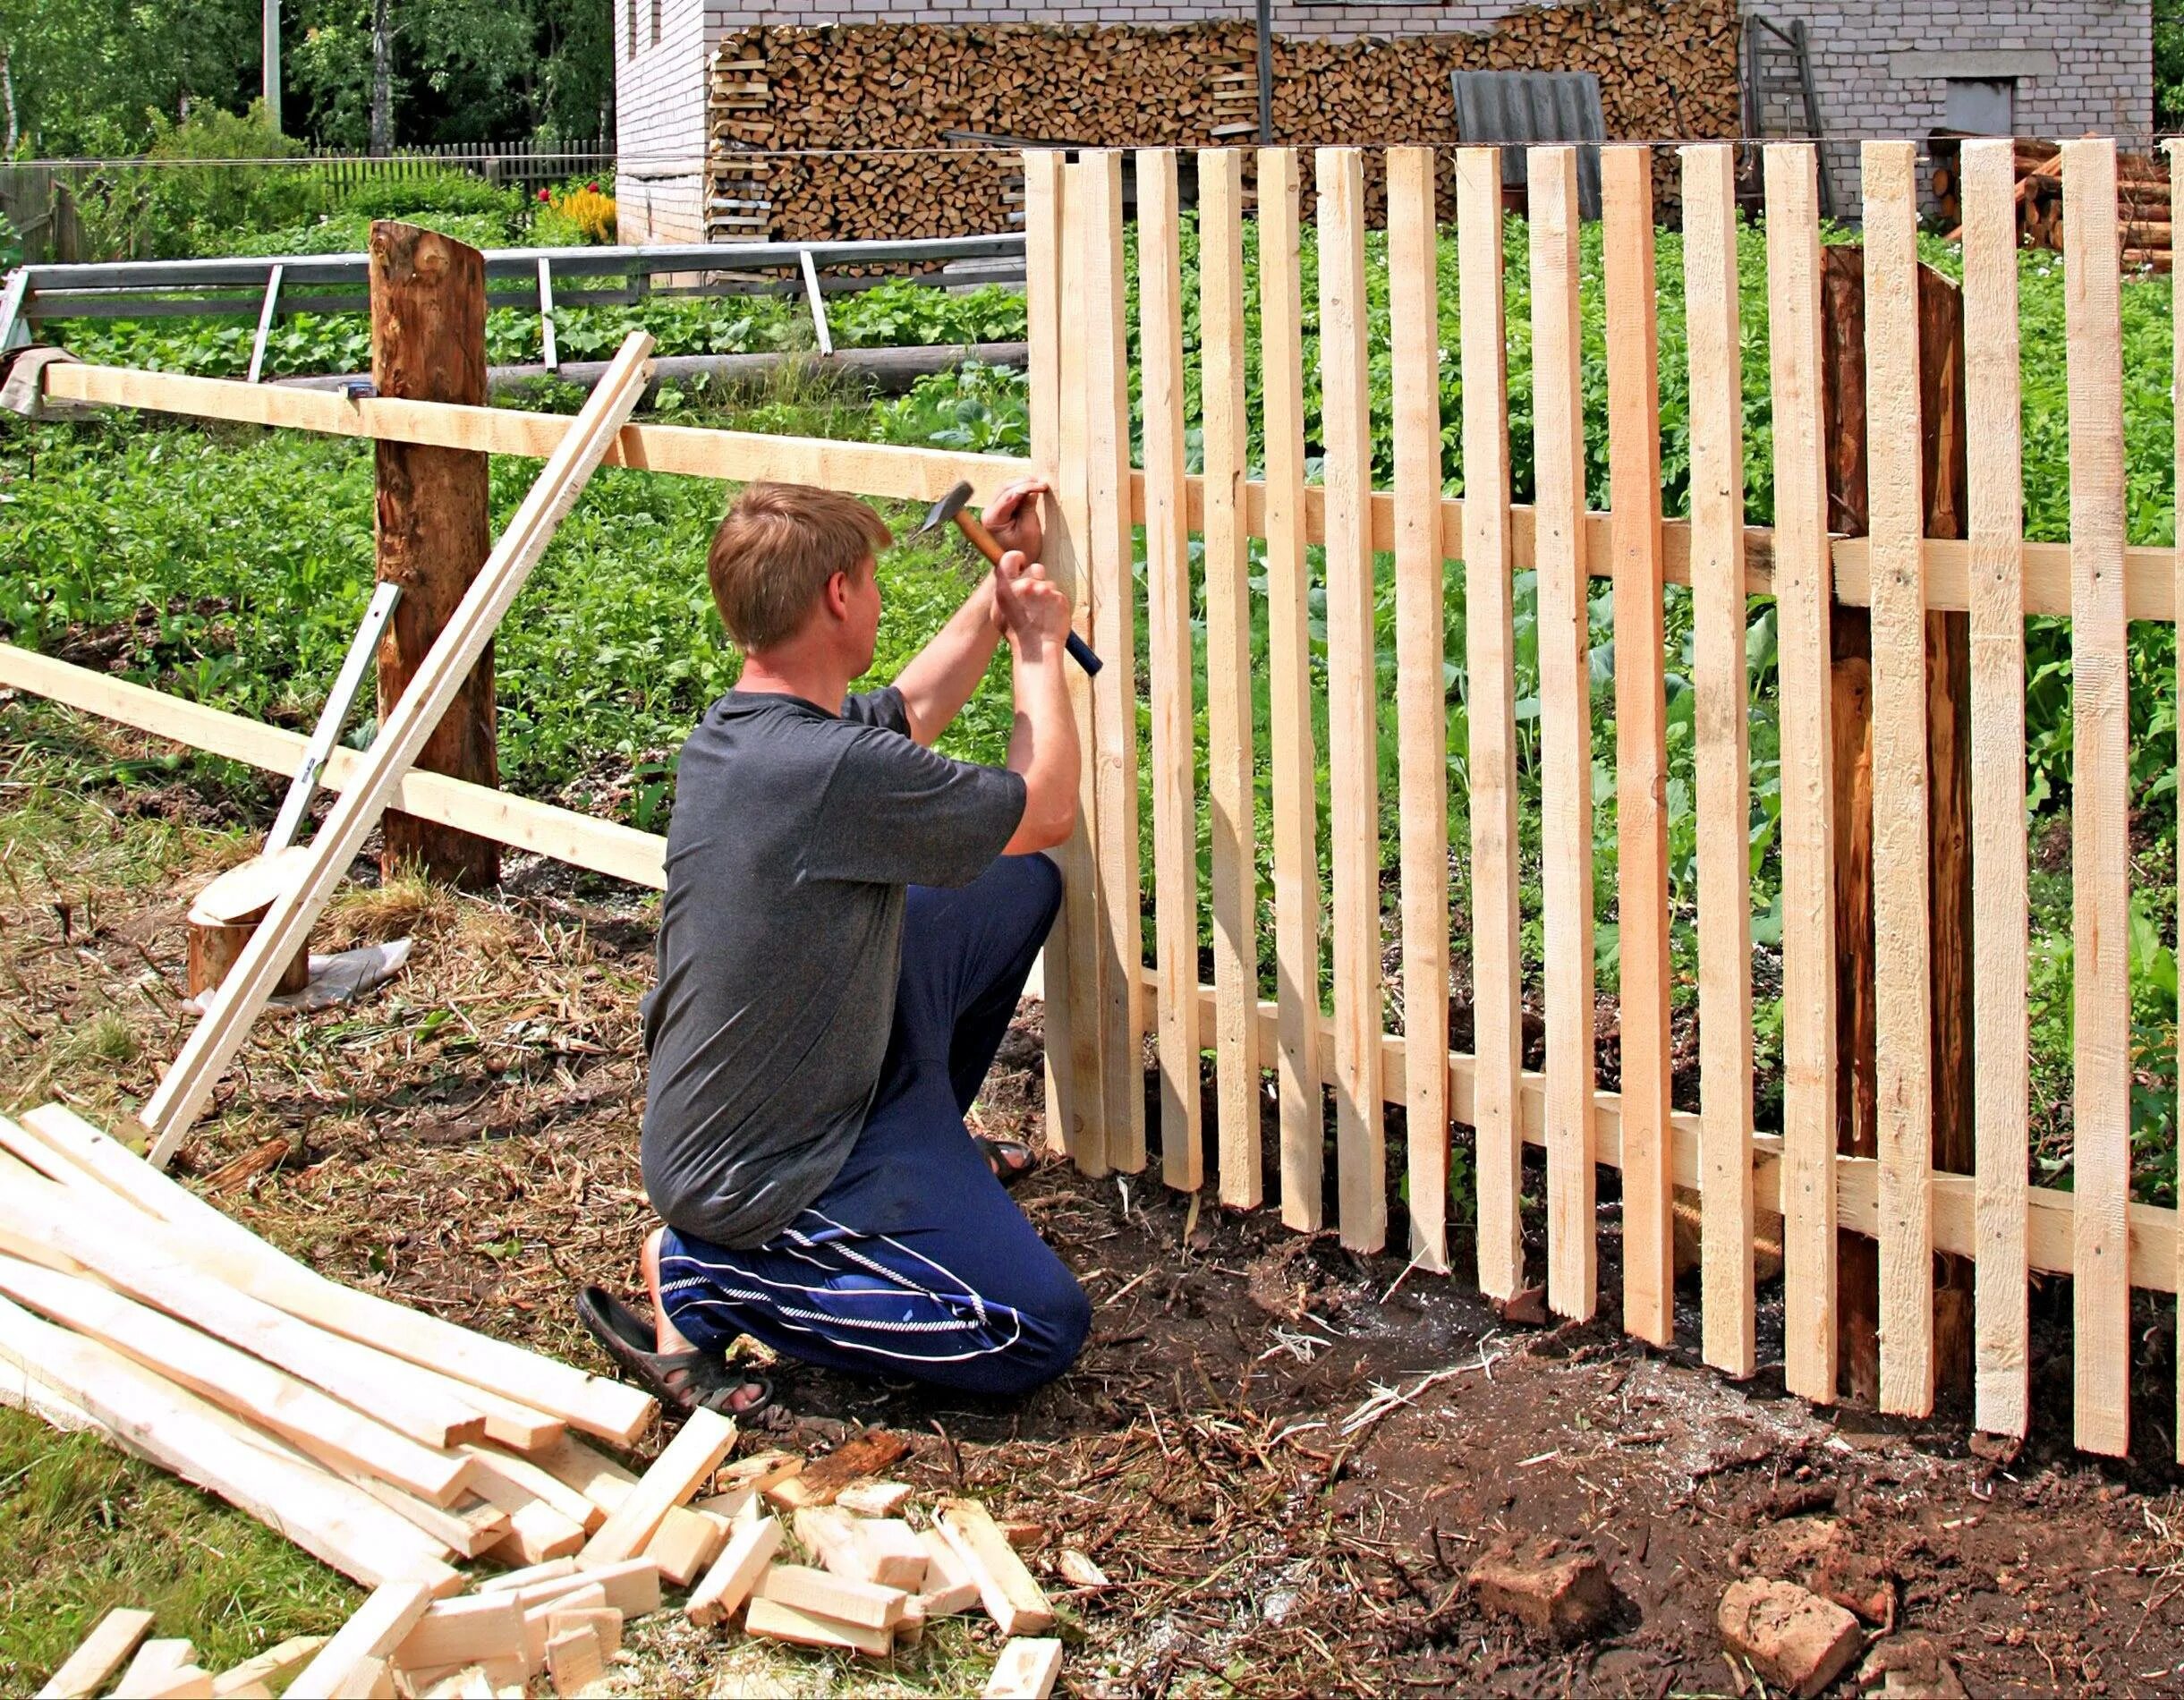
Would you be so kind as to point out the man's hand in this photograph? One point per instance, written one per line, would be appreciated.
(1013, 517)
(1032, 613)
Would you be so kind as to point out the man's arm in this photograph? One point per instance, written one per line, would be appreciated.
(942, 676)
(1043, 743)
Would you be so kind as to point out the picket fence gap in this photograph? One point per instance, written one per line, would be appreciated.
(1334, 1067)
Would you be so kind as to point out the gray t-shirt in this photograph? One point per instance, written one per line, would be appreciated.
(794, 834)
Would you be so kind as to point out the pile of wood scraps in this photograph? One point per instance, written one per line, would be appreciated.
(168, 1666)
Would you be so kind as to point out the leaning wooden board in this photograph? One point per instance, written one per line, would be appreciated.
(186, 1087)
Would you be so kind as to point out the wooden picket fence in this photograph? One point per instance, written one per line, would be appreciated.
(530, 165)
(1102, 997)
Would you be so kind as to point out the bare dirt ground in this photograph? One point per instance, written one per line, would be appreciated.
(1284, 1457)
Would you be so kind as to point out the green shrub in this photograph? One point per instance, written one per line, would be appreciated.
(439, 190)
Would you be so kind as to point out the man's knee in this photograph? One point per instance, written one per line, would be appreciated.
(1056, 1319)
(1036, 886)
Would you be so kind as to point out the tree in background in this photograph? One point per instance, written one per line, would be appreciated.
(87, 76)
(2169, 64)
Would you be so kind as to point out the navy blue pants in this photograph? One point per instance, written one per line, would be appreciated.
(914, 1263)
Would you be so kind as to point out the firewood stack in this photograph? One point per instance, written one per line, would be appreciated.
(2142, 197)
(1664, 71)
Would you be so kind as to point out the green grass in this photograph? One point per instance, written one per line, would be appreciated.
(84, 1529)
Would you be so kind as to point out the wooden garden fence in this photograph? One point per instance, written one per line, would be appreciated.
(1098, 1018)
(1103, 1000)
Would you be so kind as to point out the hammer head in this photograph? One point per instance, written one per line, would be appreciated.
(946, 509)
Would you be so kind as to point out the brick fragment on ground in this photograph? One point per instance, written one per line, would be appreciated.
(1569, 1598)
(1791, 1637)
(1857, 1582)
(1911, 1667)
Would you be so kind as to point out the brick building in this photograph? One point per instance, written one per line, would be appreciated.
(1881, 68)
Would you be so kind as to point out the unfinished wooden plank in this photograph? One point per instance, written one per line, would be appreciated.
(574, 1659)
(1042, 293)
(1297, 864)
(183, 1091)
(602, 1621)
(274, 1669)
(148, 1262)
(1422, 714)
(869, 1604)
(778, 1622)
(1012, 1598)
(1801, 614)
(692, 1456)
(468, 1630)
(537, 1533)
(724, 1589)
(111, 1642)
(1721, 760)
(631, 1588)
(1901, 977)
(224, 1247)
(198, 1442)
(511, 1423)
(686, 1541)
(1353, 689)
(154, 1663)
(949, 1584)
(1079, 968)
(1108, 496)
(2176, 412)
(2000, 1038)
(1640, 745)
(2100, 810)
(1565, 758)
(524, 1476)
(325, 1427)
(381, 1625)
(889, 1551)
(1171, 667)
(1229, 742)
(530, 1576)
(539, 1620)
(1026, 1669)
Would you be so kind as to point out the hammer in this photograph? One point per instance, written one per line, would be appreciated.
(953, 506)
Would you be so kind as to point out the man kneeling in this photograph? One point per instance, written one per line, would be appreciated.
(849, 920)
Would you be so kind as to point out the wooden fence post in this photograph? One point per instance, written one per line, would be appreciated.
(1941, 406)
(433, 532)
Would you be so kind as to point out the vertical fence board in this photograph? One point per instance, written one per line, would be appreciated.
(2000, 1038)
(1902, 991)
(1171, 668)
(1722, 759)
(1084, 1125)
(1296, 871)
(1566, 733)
(1421, 694)
(2176, 414)
(1352, 694)
(1803, 590)
(1641, 748)
(1114, 691)
(1228, 672)
(2099, 806)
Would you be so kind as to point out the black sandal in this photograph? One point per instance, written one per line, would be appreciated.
(1011, 1160)
(681, 1380)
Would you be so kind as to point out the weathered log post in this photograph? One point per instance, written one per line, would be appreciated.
(434, 529)
(1941, 407)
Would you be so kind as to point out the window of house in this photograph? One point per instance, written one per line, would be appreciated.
(1980, 106)
(633, 27)
(656, 12)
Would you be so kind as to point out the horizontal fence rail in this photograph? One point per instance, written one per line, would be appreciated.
(1323, 1034)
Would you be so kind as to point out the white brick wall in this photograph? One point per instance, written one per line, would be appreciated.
(2103, 79)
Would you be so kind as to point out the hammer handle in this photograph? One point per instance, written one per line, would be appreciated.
(985, 543)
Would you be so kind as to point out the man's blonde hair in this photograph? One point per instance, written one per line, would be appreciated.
(775, 551)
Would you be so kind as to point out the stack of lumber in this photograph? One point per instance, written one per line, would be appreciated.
(2142, 197)
(393, 1446)
(1665, 69)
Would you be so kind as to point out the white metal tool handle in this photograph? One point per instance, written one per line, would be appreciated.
(326, 734)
